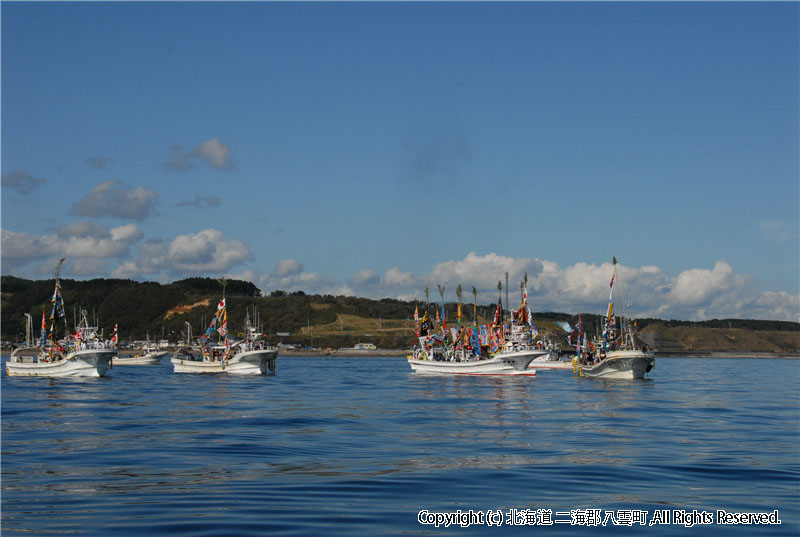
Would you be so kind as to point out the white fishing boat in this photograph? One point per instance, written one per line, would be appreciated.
(147, 356)
(78, 363)
(615, 354)
(514, 363)
(248, 356)
(622, 364)
(79, 354)
(501, 350)
(243, 360)
(550, 360)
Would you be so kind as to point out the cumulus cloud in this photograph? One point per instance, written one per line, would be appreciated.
(698, 286)
(80, 242)
(288, 267)
(82, 239)
(22, 181)
(694, 294)
(200, 202)
(108, 198)
(213, 152)
(289, 275)
(396, 277)
(205, 252)
(365, 277)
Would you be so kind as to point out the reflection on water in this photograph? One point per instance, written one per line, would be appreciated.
(358, 446)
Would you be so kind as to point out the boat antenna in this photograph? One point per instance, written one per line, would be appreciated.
(507, 303)
(441, 294)
(58, 267)
(474, 306)
(224, 283)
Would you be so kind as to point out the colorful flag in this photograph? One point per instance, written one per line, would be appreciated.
(44, 330)
(425, 325)
(58, 304)
(114, 338)
(416, 321)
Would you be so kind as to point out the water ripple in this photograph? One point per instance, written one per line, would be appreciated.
(358, 446)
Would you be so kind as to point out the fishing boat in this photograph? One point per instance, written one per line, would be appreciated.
(149, 355)
(621, 364)
(248, 356)
(81, 353)
(615, 354)
(501, 350)
(551, 360)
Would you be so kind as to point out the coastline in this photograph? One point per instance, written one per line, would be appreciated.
(383, 353)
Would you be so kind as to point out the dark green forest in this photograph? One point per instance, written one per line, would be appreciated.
(160, 310)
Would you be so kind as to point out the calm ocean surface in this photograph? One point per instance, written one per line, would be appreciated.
(359, 446)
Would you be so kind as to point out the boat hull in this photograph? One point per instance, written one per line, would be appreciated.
(85, 363)
(259, 362)
(513, 363)
(550, 360)
(622, 365)
(151, 358)
(551, 364)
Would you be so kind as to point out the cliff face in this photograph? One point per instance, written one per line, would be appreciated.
(697, 338)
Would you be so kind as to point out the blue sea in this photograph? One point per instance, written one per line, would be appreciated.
(363, 447)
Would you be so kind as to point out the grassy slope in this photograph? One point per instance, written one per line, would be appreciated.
(698, 338)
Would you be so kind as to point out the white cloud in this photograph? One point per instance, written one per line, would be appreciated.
(699, 286)
(483, 271)
(88, 267)
(365, 277)
(694, 294)
(82, 239)
(202, 253)
(86, 246)
(395, 277)
(288, 267)
(205, 251)
(84, 228)
(213, 152)
(107, 198)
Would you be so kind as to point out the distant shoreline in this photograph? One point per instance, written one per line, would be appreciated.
(385, 353)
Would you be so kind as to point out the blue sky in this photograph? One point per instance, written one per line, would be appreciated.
(374, 149)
